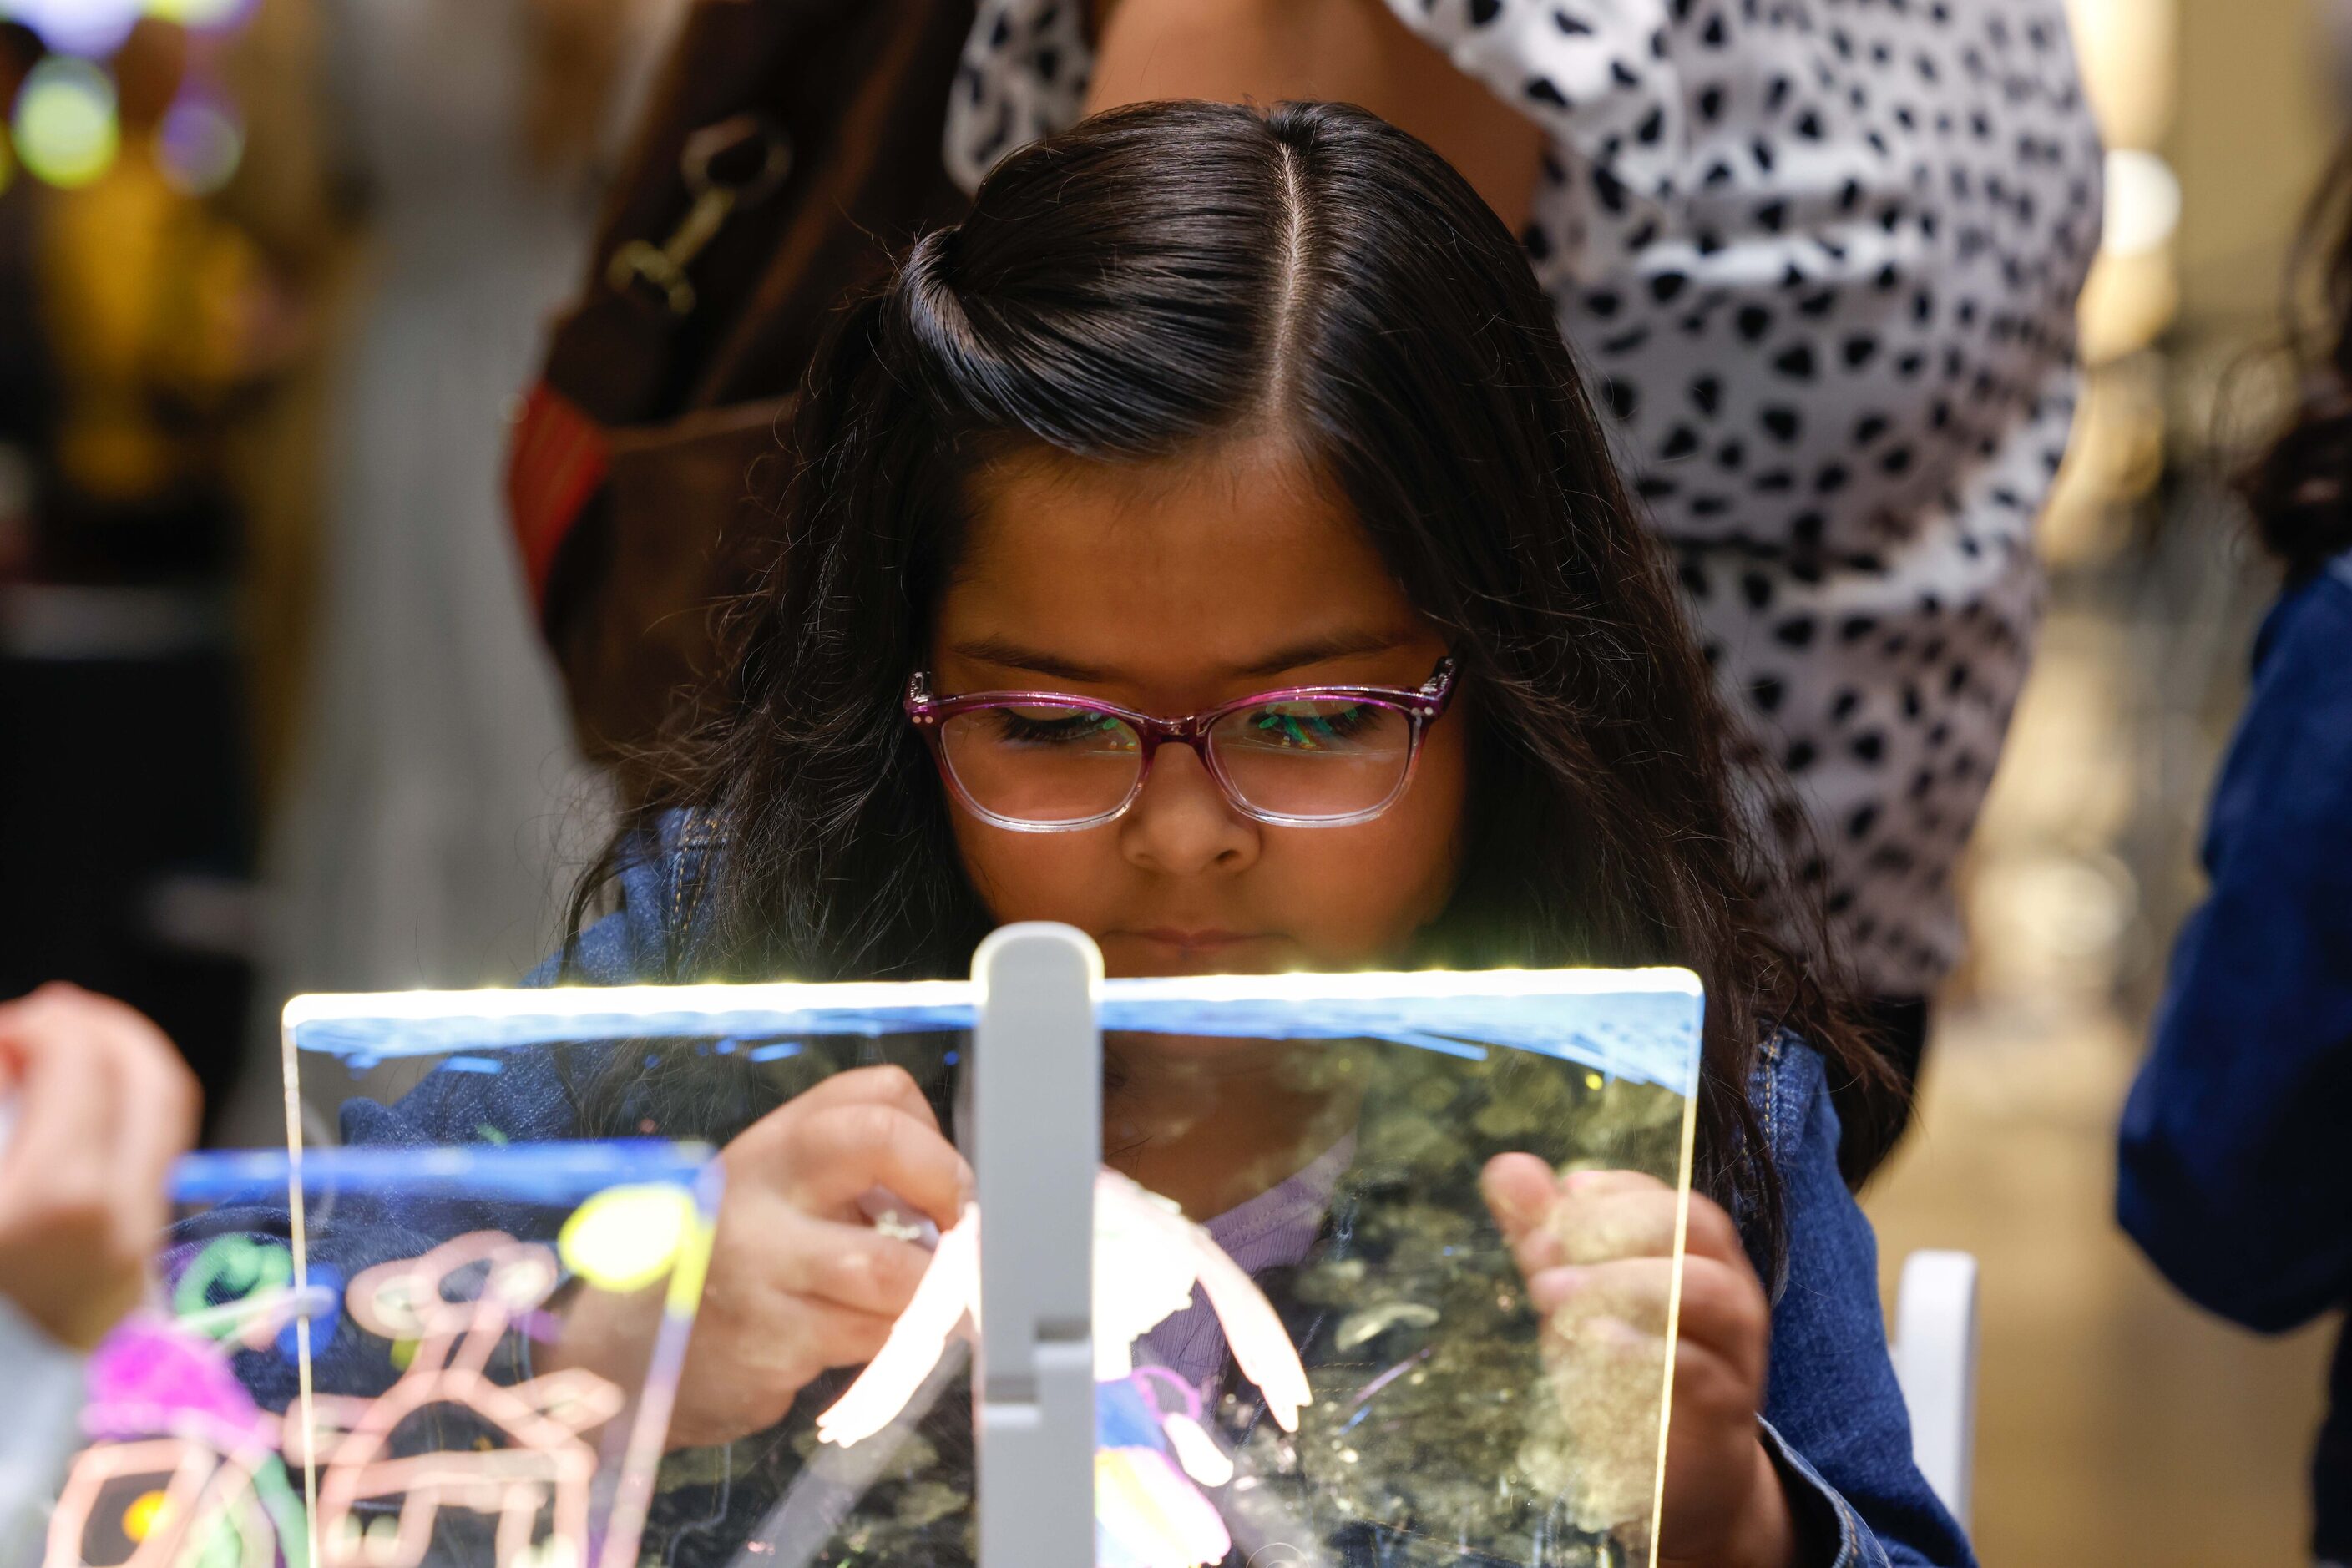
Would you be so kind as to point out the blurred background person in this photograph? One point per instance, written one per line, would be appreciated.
(1822, 265)
(2233, 1175)
(419, 844)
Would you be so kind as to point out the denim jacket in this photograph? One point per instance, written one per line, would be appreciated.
(2232, 1174)
(1833, 1421)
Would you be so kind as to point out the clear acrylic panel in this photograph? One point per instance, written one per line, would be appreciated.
(347, 1361)
(1311, 1342)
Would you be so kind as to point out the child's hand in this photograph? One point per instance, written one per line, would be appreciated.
(800, 1282)
(98, 1106)
(1596, 1248)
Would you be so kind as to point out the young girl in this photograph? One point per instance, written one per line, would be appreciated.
(1214, 442)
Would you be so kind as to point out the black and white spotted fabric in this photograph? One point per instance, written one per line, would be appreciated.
(1819, 258)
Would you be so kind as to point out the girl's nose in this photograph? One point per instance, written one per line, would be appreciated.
(1182, 823)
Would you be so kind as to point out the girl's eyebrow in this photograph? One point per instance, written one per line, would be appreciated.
(1318, 650)
(1009, 655)
(1013, 656)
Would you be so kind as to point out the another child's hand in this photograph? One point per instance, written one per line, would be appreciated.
(800, 1281)
(1597, 1247)
(99, 1105)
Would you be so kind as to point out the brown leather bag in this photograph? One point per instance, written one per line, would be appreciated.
(787, 145)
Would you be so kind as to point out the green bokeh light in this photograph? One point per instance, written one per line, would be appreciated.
(67, 133)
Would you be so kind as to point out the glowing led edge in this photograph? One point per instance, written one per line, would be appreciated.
(588, 1001)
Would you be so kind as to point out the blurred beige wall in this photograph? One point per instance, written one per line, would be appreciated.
(2256, 117)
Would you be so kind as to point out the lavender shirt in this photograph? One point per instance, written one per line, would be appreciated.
(1272, 1230)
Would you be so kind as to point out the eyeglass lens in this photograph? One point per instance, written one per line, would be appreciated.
(1312, 757)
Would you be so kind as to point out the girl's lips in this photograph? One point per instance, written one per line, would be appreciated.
(1197, 940)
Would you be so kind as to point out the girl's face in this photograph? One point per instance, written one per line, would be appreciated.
(1171, 587)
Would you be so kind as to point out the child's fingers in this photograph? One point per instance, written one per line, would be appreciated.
(1713, 1232)
(1620, 1223)
(65, 1094)
(744, 1378)
(849, 1265)
(886, 1085)
(158, 1109)
(1596, 1184)
(1539, 1212)
(1633, 1290)
(1720, 1310)
(1519, 1190)
(833, 1335)
(838, 1154)
(1641, 1221)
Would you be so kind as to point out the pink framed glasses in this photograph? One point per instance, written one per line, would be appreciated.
(1307, 756)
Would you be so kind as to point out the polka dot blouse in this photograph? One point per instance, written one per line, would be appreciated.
(1819, 258)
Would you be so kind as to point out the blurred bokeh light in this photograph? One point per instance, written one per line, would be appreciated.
(199, 144)
(67, 133)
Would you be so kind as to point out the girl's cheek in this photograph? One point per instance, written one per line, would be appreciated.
(1370, 893)
(1035, 876)
(1440, 822)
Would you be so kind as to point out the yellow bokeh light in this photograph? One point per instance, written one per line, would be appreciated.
(146, 1512)
(624, 1238)
(66, 128)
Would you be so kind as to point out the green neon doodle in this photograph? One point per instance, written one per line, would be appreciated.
(243, 1267)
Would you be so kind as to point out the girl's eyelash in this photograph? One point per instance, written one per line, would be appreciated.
(1305, 729)
(1018, 727)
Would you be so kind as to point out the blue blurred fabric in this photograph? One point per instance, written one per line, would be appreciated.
(2232, 1174)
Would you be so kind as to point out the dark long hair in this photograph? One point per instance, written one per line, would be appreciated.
(1150, 280)
(2300, 486)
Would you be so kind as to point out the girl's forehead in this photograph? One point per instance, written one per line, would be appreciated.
(1246, 507)
(1217, 556)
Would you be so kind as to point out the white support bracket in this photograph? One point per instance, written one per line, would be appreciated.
(1935, 1363)
(1036, 1066)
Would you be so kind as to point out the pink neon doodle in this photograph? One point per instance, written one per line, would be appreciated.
(536, 1488)
(182, 1454)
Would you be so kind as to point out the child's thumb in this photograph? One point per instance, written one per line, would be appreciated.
(1520, 1189)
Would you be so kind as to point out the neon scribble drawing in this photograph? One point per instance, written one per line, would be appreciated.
(184, 1467)
(1151, 1460)
(525, 1464)
(460, 1458)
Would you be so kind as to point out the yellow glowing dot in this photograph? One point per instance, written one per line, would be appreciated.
(145, 1512)
(65, 124)
(199, 15)
(624, 1238)
(1592, 1080)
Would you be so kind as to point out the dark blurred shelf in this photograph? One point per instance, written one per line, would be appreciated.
(43, 621)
